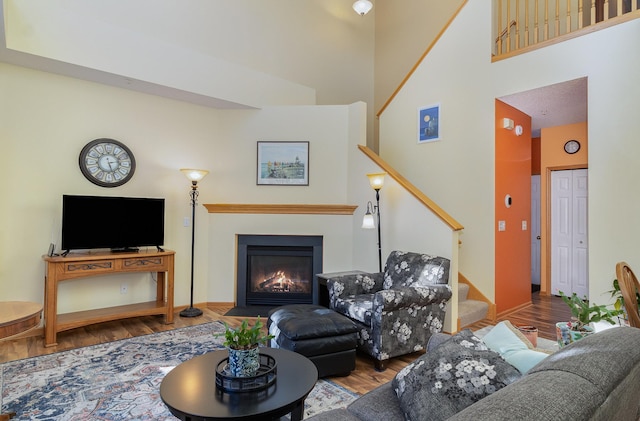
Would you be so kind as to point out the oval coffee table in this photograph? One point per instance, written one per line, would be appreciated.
(190, 391)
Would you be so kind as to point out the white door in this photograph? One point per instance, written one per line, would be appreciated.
(535, 229)
(569, 246)
(580, 260)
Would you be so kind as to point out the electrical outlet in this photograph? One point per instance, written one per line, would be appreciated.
(186, 221)
(124, 288)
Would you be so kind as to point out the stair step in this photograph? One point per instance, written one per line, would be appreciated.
(471, 311)
(463, 291)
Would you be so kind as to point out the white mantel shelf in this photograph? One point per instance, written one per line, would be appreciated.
(281, 209)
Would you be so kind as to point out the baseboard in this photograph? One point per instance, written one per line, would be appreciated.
(502, 314)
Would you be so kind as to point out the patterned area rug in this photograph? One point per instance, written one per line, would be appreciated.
(120, 380)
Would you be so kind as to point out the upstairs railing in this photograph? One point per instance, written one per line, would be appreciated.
(523, 24)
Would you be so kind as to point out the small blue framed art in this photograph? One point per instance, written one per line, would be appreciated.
(429, 123)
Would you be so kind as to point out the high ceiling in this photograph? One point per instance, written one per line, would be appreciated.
(549, 106)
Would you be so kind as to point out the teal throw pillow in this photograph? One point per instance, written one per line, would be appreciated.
(513, 346)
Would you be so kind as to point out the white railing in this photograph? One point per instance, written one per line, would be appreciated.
(519, 24)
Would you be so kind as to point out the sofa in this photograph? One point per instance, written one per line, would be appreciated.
(596, 378)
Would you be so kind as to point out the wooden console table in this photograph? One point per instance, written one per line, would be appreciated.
(82, 265)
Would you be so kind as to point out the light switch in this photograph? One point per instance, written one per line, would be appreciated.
(524, 225)
(502, 225)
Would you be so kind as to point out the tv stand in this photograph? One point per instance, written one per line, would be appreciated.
(87, 264)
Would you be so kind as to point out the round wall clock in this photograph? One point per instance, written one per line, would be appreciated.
(107, 162)
(572, 146)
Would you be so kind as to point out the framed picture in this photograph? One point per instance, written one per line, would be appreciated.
(283, 163)
(429, 123)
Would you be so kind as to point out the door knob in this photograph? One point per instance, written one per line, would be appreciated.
(538, 237)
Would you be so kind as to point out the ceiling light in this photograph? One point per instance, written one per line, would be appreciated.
(362, 7)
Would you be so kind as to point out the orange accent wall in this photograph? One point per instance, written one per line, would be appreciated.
(553, 157)
(513, 177)
(535, 156)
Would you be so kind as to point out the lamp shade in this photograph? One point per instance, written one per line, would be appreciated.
(362, 7)
(367, 221)
(194, 175)
(376, 180)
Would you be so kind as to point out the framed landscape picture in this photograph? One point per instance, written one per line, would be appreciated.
(283, 163)
(429, 123)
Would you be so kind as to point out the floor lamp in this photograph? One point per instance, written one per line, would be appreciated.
(194, 176)
(376, 181)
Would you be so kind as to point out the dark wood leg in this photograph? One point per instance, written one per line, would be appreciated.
(381, 365)
(7, 416)
(297, 414)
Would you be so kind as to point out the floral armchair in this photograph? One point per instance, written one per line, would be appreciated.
(397, 311)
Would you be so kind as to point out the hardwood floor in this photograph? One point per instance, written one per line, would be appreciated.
(543, 313)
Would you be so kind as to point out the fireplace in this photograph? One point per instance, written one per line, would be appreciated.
(274, 270)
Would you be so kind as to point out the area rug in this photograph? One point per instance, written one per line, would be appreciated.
(120, 380)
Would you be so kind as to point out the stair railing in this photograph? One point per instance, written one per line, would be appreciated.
(547, 20)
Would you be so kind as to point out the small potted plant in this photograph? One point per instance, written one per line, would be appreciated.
(619, 303)
(242, 343)
(583, 314)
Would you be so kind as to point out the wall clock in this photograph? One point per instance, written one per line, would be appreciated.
(107, 162)
(572, 146)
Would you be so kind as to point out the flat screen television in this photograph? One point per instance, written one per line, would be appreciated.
(117, 223)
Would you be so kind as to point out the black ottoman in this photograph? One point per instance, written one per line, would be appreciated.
(327, 338)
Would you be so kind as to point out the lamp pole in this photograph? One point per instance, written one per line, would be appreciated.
(379, 241)
(194, 176)
(192, 311)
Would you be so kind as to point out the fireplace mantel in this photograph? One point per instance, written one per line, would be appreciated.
(281, 209)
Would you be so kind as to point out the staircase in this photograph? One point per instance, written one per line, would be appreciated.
(470, 310)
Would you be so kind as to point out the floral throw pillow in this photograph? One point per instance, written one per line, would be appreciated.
(442, 382)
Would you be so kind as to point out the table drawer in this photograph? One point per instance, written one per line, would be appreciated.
(144, 263)
(89, 266)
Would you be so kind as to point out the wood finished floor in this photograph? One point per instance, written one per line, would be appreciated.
(543, 313)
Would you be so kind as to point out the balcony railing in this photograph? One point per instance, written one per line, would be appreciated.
(522, 25)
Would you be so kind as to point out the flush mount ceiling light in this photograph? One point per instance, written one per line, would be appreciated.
(362, 7)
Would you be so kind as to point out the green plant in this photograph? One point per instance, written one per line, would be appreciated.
(244, 337)
(617, 294)
(584, 313)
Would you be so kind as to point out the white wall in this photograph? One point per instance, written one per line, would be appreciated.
(406, 224)
(327, 129)
(280, 52)
(412, 24)
(45, 121)
(90, 41)
(458, 171)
